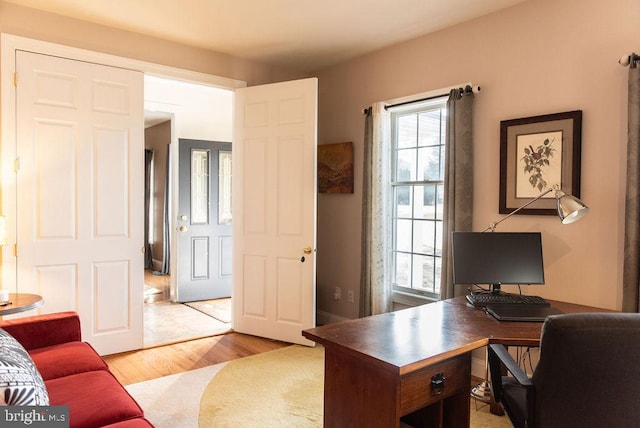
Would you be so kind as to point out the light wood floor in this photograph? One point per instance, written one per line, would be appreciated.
(184, 328)
(138, 366)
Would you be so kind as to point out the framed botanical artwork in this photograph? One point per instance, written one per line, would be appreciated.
(537, 153)
(335, 168)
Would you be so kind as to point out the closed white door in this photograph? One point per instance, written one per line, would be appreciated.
(274, 208)
(79, 194)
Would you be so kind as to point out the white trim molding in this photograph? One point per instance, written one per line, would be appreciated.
(10, 43)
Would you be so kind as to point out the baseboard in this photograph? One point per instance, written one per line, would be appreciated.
(324, 318)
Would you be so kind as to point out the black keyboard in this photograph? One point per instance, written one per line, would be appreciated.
(493, 299)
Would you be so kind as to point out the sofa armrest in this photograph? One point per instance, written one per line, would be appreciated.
(44, 330)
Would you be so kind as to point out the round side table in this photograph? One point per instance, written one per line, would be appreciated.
(20, 302)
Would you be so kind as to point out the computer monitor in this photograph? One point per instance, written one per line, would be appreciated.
(496, 258)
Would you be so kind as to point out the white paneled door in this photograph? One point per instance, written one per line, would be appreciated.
(274, 209)
(79, 195)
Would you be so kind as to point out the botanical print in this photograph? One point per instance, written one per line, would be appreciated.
(539, 163)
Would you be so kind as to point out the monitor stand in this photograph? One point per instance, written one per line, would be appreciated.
(493, 289)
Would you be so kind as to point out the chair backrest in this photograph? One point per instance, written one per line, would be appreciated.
(588, 374)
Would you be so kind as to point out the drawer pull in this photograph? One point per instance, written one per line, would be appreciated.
(437, 383)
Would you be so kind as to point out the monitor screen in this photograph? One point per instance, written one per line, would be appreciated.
(497, 258)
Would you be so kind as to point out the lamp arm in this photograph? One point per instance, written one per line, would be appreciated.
(493, 225)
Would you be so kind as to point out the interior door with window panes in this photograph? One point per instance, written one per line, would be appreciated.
(204, 221)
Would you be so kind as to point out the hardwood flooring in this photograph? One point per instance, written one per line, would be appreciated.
(138, 366)
(187, 349)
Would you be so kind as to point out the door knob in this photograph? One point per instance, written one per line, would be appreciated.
(182, 228)
(307, 250)
(183, 217)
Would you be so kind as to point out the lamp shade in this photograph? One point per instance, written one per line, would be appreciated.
(570, 208)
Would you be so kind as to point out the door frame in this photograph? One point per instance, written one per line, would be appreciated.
(9, 44)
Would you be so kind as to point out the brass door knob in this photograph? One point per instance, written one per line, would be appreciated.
(182, 228)
(307, 250)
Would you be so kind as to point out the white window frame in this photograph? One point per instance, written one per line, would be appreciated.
(401, 293)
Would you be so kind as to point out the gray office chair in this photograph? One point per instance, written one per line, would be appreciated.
(588, 374)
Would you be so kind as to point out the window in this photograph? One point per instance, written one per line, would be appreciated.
(418, 150)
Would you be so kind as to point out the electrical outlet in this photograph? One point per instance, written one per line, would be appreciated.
(350, 296)
(337, 293)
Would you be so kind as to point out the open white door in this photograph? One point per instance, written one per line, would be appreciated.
(274, 210)
(79, 194)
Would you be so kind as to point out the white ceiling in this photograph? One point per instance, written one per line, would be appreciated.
(307, 35)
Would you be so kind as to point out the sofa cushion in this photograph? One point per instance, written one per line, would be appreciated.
(94, 398)
(66, 359)
(20, 382)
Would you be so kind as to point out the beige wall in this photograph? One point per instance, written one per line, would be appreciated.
(157, 138)
(53, 28)
(539, 57)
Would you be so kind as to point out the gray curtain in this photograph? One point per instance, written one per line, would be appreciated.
(631, 275)
(375, 293)
(166, 232)
(148, 158)
(365, 273)
(458, 179)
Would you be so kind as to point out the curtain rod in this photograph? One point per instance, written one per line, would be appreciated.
(631, 59)
(467, 89)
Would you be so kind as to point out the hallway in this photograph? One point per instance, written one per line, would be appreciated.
(168, 322)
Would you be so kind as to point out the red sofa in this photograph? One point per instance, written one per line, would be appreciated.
(73, 372)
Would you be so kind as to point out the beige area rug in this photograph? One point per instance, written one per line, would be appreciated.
(219, 309)
(281, 388)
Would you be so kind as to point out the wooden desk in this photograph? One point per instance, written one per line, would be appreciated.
(379, 369)
(21, 302)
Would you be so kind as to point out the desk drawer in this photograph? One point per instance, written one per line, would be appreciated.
(416, 390)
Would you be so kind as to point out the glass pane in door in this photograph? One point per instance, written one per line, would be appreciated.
(199, 186)
(224, 188)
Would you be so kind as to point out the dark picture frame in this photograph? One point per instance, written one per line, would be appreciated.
(537, 153)
(335, 168)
